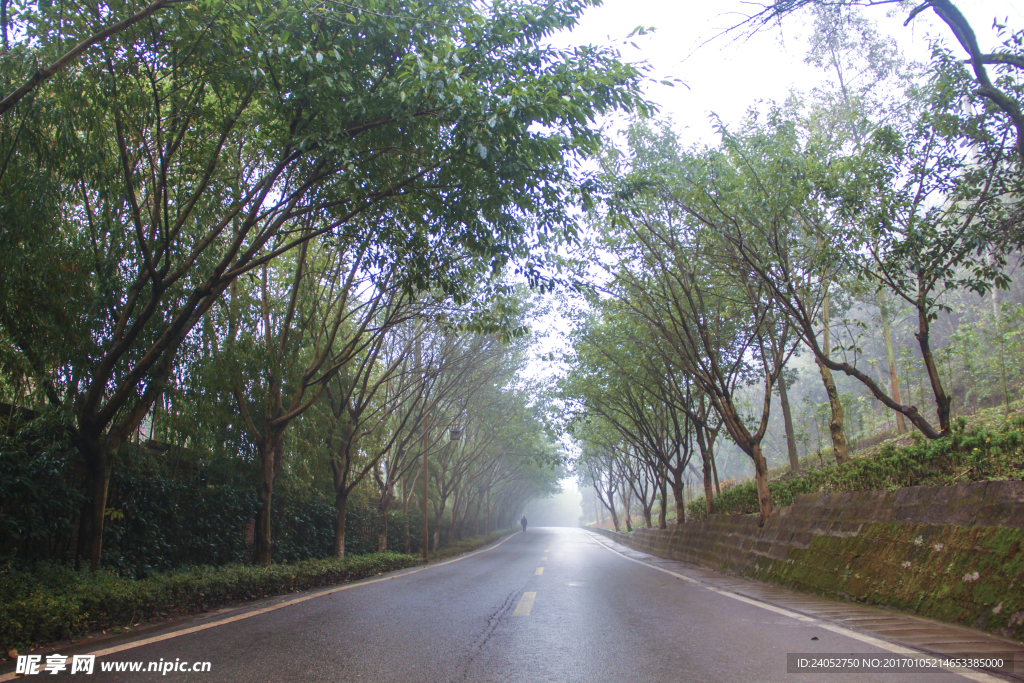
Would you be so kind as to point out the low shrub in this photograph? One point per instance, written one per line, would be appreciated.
(983, 453)
(54, 602)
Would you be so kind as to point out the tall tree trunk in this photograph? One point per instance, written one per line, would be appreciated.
(627, 504)
(340, 513)
(271, 452)
(764, 500)
(835, 423)
(408, 490)
(382, 544)
(475, 504)
(382, 538)
(408, 530)
(438, 517)
(787, 418)
(96, 456)
(341, 455)
(663, 513)
(261, 550)
(890, 357)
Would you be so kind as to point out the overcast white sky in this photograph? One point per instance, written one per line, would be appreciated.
(726, 75)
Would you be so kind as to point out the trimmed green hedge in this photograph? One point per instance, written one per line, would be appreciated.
(55, 602)
(978, 454)
(163, 516)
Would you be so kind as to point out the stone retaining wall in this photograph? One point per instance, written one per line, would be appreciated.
(954, 553)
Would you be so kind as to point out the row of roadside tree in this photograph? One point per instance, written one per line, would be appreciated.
(276, 240)
(888, 195)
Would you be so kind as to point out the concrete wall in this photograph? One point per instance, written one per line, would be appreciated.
(954, 553)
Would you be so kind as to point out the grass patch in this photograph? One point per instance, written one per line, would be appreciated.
(469, 544)
(983, 452)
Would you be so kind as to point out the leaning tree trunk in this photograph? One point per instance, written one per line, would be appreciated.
(787, 418)
(677, 494)
(943, 402)
(890, 357)
(707, 465)
(714, 471)
(751, 445)
(835, 425)
(764, 500)
(611, 509)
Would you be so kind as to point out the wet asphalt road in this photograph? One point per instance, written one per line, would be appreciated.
(596, 617)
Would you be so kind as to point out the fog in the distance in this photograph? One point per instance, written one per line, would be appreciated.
(561, 509)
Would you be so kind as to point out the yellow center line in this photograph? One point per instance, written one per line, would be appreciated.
(540, 570)
(525, 604)
(543, 559)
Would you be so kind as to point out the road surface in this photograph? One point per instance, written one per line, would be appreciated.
(548, 605)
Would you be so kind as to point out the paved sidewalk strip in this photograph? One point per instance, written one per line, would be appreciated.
(929, 636)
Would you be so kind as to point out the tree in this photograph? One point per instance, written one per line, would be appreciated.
(719, 325)
(912, 209)
(868, 83)
(1008, 59)
(618, 375)
(185, 158)
(936, 195)
(361, 397)
(597, 464)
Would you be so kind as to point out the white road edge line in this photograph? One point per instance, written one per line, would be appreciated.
(969, 674)
(281, 605)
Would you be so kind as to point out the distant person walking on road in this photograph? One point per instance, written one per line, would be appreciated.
(523, 522)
